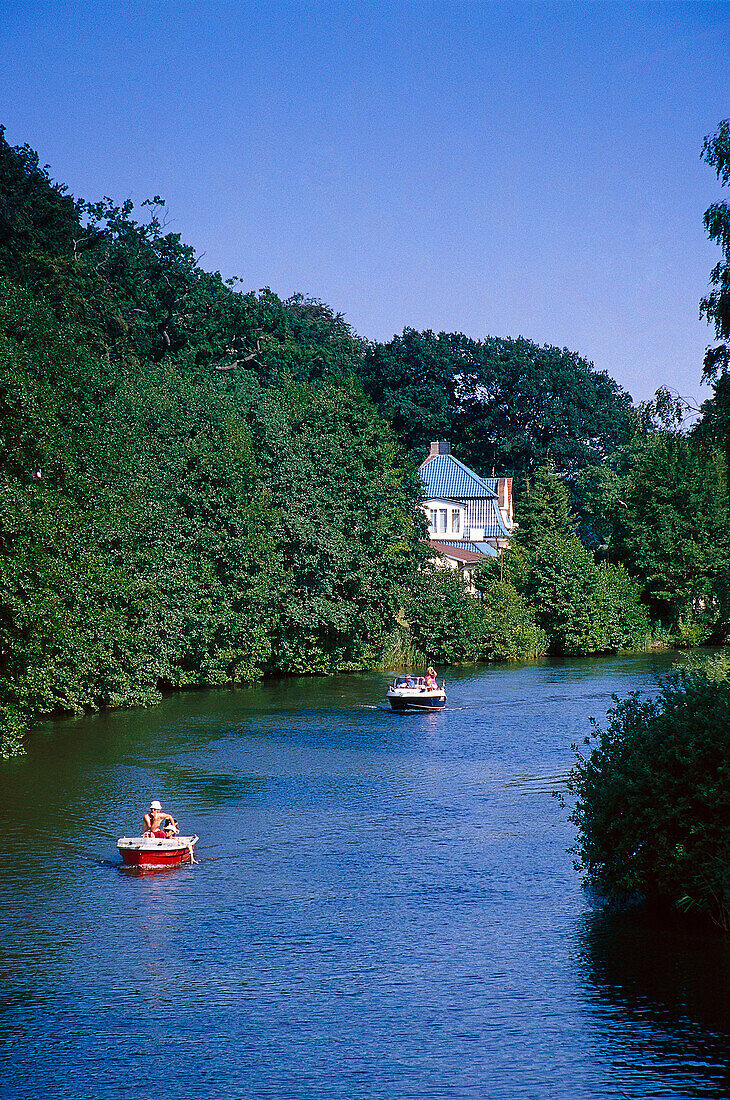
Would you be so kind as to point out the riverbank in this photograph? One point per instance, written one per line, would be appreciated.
(400, 656)
(201, 486)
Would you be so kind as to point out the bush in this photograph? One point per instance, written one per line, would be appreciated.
(509, 630)
(716, 668)
(449, 624)
(624, 619)
(444, 618)
(653, 797)
(692, 631)
(582, 607)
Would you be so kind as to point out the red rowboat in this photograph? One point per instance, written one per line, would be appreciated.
(151, 853)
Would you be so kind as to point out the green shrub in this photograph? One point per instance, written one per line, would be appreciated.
(450, 624)
(624, 619)
(444, 618)
(692, 631)
(13, 727)
(581, 606)
(653, 798)
(509, 630)
(715, 668)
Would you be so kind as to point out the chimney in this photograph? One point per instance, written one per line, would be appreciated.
(439, 447)
(504, 492)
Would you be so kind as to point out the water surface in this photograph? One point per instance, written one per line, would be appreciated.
(384, 905)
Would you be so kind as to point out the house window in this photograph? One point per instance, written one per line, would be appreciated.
(434, 528)
(443, 516)
(456, 522)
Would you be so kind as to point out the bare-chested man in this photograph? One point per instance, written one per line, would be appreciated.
(159, 822)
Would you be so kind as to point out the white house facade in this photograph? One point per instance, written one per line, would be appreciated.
(468, 516)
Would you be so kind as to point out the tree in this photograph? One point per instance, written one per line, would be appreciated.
(653, 798)
(715, 307)
(673, 525)
(447, 622)
(414, 381)
(714, 423)
(348, 527)
(544, 510)
(505, 403)
(38, 219)
(509, 630)
(582, 607)
(331, 345)
(596, 497)
(527, 403)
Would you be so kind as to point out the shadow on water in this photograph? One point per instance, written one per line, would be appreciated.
(658, 989)
(212, 790)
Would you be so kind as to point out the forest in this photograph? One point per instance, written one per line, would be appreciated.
(202, 485)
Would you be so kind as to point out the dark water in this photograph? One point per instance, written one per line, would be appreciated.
(384, 906)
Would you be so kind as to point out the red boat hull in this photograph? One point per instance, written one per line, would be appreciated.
(147, 854)
(155, 859)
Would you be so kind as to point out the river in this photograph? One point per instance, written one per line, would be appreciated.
(384, 905)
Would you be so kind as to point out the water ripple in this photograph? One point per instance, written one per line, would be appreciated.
(382, 908)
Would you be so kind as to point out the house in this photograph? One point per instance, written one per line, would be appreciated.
(468, 516)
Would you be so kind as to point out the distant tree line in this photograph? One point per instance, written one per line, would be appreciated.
(507, 404)
(201, 485)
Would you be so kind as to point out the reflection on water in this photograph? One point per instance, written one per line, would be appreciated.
(384, 905)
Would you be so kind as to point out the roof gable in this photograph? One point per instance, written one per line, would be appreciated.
(445, 476)
(432, 501)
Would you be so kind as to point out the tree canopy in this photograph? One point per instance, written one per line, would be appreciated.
(509, 404)
(194, 488)
(715, 307)
(714, 423)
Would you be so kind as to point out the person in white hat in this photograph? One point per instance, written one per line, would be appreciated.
(155, 820)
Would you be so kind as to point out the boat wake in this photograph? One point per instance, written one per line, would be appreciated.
(537, 784)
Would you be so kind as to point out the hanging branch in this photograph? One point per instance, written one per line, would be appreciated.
(237, 346)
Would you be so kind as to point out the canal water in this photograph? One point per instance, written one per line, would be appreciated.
(384, 905)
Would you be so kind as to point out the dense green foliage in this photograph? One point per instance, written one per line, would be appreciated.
(714, 424)
(200, 485)
(448, 624)
(660, 506)
(581, 605)
(508, 404)
(193, 487)
(716, 305)
(673, 530)
(653, 797)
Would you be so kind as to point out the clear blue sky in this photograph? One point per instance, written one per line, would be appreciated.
(491, 168)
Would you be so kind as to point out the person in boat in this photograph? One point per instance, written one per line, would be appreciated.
(430, 681)
(156, 821)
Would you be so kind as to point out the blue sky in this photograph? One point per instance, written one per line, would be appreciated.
(492, 168)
